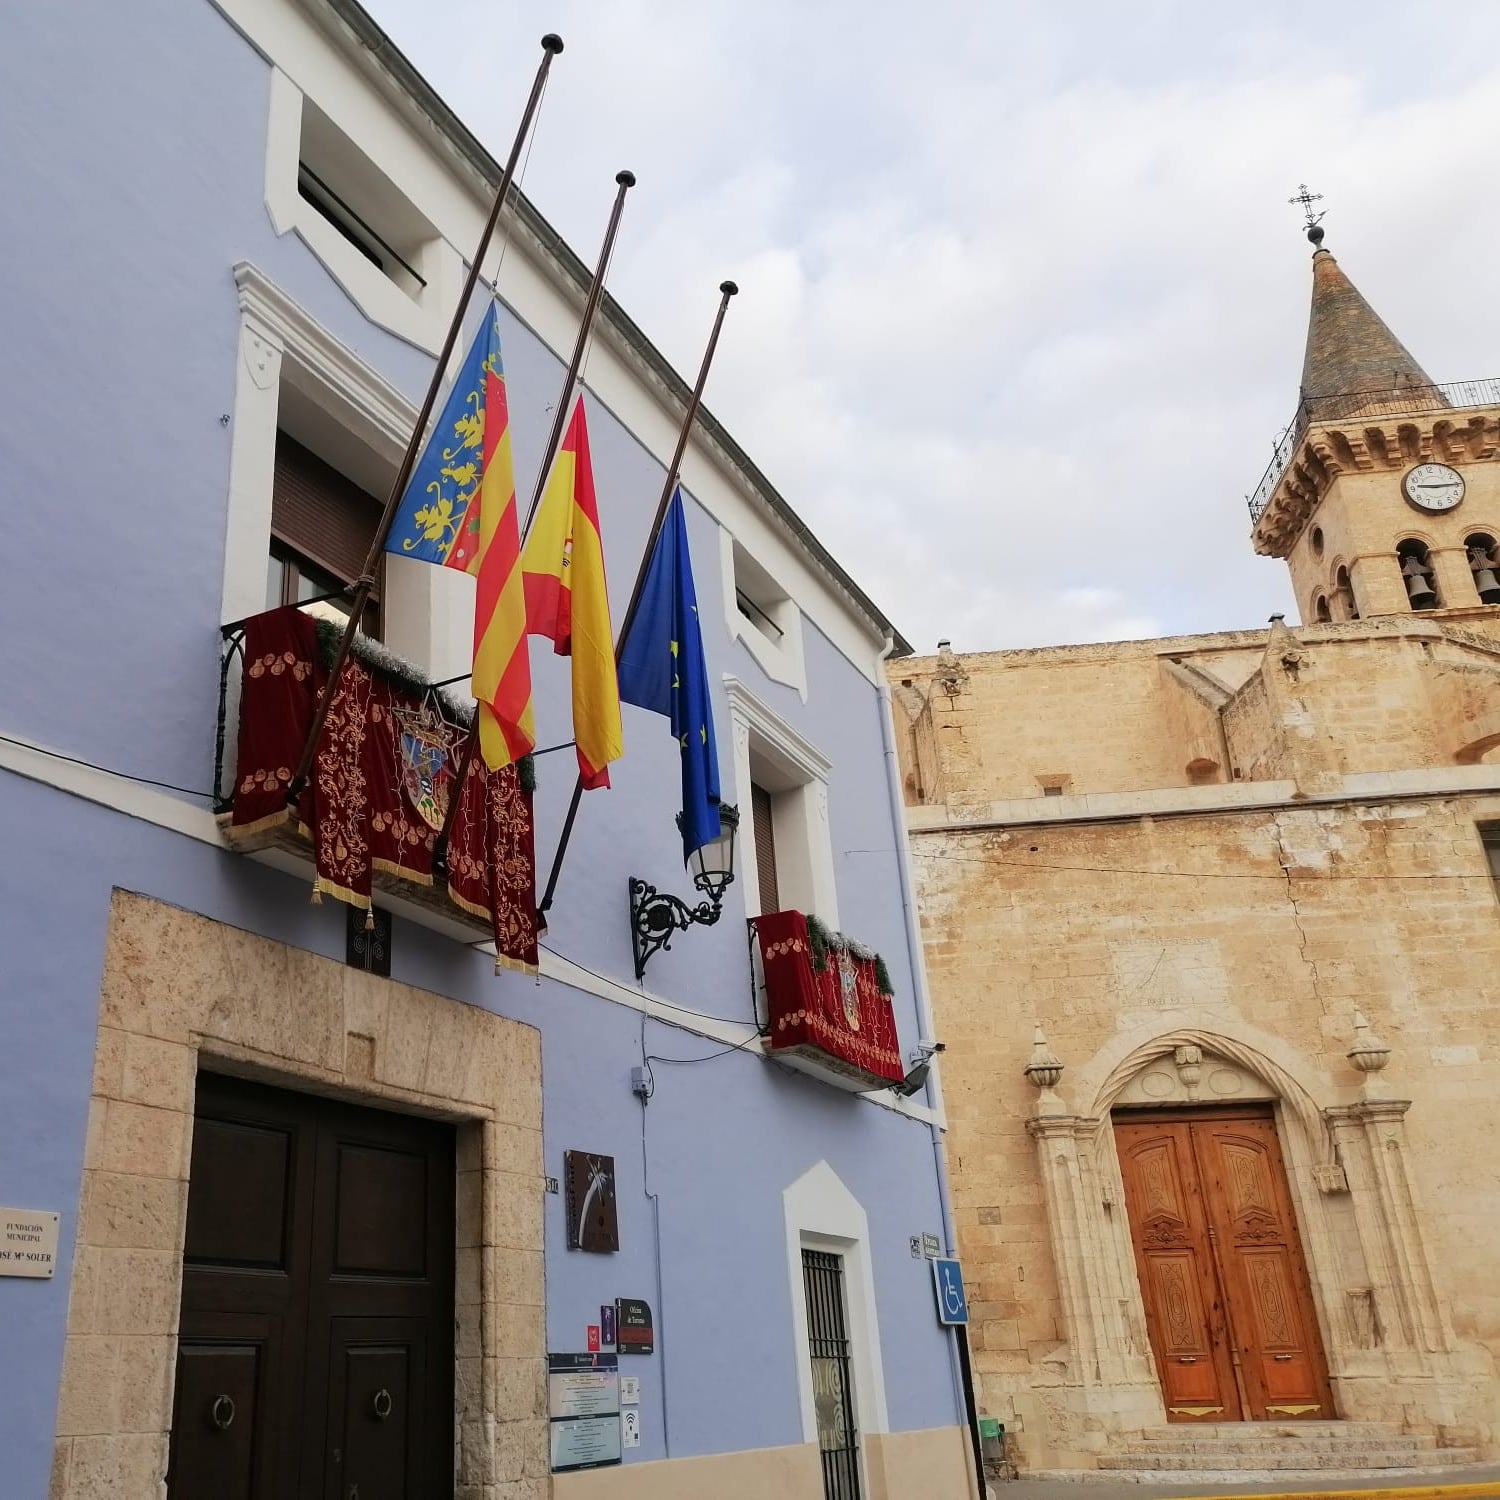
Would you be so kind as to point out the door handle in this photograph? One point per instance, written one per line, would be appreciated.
(382, 1408)
(1282, 1359)
(221, 1413)
(1187, 1359)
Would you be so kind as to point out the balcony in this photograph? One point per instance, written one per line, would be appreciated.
(828, 1004)
(381, 786)
(1360, 406)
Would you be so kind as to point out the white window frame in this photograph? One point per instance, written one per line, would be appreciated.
(804, 846)
(782, 661)
(421, 319)
(822, 1214)
(427, 612)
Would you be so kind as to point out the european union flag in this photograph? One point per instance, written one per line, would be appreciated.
(662, 668)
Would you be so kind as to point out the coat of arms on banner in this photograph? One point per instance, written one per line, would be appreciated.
(848, 988)
(427, 741)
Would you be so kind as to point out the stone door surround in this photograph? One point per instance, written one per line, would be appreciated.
(1392, 1353)
(181, 991)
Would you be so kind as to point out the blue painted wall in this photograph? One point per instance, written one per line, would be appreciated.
(120, 329)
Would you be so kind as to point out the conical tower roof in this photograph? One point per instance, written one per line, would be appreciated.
(1349, 347)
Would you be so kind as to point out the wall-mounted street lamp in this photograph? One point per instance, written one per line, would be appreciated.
(656, 915)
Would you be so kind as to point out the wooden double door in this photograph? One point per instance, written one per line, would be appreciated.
(1229, 1307)
(315, 1359)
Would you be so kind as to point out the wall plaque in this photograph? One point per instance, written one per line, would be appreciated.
(28, 1242)
(589, 1184)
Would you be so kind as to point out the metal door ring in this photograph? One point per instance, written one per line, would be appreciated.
(382, 1404)
(222, 1412)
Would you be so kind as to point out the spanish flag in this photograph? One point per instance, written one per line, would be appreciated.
(459, 511)
(567, 601)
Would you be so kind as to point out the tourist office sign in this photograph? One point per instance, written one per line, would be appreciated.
(634, 1333)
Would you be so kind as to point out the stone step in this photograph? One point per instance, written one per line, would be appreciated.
(1454, 1472)
(1352, 1449)
(1274, 1463)
(1280, 1439)
(1274, 1429)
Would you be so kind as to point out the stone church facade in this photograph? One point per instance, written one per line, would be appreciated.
(1214, 943)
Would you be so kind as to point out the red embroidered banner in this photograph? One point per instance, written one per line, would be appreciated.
(838, 1011)
(380, 785)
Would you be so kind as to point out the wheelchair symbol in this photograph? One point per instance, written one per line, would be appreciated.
(949, 1284)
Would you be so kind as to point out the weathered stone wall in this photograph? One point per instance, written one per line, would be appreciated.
(1368, 696)
(1286, 922)
(1345, 870)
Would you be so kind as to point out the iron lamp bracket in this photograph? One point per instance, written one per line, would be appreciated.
(657, 916)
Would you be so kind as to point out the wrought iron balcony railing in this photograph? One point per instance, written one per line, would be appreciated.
(1456, 395)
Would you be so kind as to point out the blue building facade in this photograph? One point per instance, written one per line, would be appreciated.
(187, 312)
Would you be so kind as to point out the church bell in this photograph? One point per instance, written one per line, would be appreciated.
(1484, 576)
(1418, 586)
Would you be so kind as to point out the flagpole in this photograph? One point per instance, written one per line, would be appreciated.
(551, 46)
(727, 290)
(626, 181)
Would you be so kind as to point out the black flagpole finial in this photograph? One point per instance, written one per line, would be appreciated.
(1307, 199)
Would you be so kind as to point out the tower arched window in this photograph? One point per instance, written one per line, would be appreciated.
(1321, 612)
(1343, 594)
(1484, 564)
(1417, 574)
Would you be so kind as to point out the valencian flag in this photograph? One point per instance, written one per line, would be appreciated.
(459, 511)
(662, 668)
(567, 601)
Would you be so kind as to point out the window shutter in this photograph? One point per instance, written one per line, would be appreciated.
(765, 848)
(321, 514)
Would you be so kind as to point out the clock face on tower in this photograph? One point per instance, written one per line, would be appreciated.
(1433, 487)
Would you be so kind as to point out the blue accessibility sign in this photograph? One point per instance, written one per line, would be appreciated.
(948, 1282)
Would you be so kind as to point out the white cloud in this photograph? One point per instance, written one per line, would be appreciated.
(1023, 303)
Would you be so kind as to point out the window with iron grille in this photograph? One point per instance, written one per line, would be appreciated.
(832, 1382)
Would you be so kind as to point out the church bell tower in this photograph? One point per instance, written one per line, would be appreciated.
(1384, 492)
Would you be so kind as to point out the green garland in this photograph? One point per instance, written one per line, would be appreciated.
(380, 661)
(823, 940)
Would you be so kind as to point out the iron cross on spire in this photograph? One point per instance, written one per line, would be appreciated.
(1307, 199)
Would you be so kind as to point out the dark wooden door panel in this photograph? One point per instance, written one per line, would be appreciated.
(214, 1421)
(239, 1212)
(317, 1302)
(1184, 1310)
(1273, 1321)
(378, 1413)
(380, 1211)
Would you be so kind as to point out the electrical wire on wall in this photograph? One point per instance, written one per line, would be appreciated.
(645, 1095)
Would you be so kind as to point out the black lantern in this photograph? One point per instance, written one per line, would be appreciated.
(656, 915)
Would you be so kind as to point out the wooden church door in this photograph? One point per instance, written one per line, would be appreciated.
(1228, 1303)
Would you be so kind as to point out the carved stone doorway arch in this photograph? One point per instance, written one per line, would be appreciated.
(1392, 1355)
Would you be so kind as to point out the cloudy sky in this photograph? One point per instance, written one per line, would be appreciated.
(1023, 301)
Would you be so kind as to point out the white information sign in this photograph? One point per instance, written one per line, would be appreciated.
(583, 1393)
(630, 1429)
(585, 1442)
(630, 1390)
(28, 1242)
